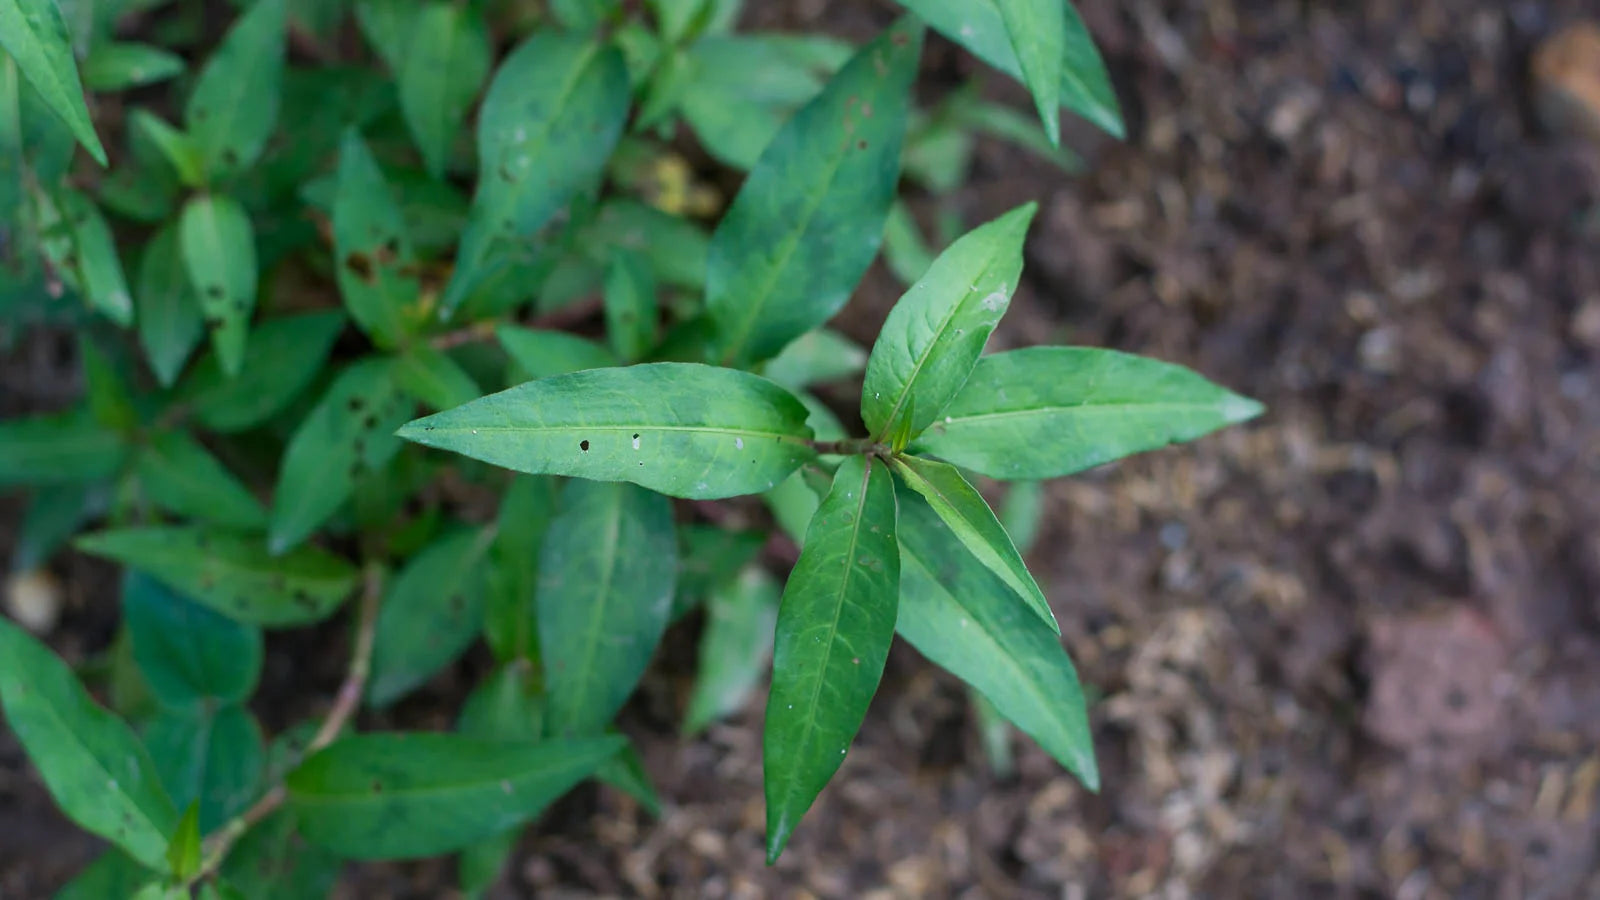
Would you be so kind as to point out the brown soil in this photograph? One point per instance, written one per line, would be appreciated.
(1351, 650)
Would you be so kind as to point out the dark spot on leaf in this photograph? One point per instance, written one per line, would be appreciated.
(390, 251)
(371, 421)
(355, 404)
(861, 145)
(361, 266)
(214, 291)
(899, 39)
(230, 157)
(377, 786)
(215, 322)
(584, 446)
(457, 603)
(636, 437)
(303, 599)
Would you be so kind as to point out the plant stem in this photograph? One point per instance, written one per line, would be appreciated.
(848, 447)
(345, 704)
(483, 330)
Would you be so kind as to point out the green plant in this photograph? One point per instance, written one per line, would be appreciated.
(283, 179)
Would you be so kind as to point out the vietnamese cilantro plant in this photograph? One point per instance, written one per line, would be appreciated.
(307, 224)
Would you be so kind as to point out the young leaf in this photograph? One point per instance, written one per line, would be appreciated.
(682, 429)
(389, 796)
(189, 655)
(285, 355)
(978, 26)
(115, 66)
(1038, 31)
(181, 476)
(58, 448)
(433, 379)
(35, 35)
(525, 514)
(440, 75)
(95, 768)
(630, 305)
(733, 648)
(170, 322)
(809, 219)
(960, 615)
(232, 574)
(815, 357)
(835, 624)
(541, 354)
(183, 852)
(430, 614)
(936, 332)
(209, 755)
(553, 113)
(234, 106)
(1044, 412)
(346, 436)
(93, 253)
(605, 590)
(219, 252)
(970, 519)
(373, 261)
(173, 145)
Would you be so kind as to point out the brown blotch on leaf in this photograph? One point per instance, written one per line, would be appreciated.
(584, 446)
(361, 266)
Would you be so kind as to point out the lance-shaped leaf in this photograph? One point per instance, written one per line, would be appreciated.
(835, 624)
(682, 429)
(388, 796)
(430, 614)
(35, 35)
(94, 766)
(553, 113)
(960, 615)
(675, 248)
(963, 509)
(433, 379)
(190, 655)
(710, 558)
(346, 436)
(180, 475)
(526, 510)
(232, 574)
(506, 706)
(740, 617)
(1043, 412)
(809, 219)
(373, 262)
(630, 305)
(113, 874)
(440, 75)
(936, 332)
(541, 354)
(170, 321)
(219, 252)
(1038, 30)
(86, 251)
(210, 755)
(815, 357)
(58, 448)
(115, 66)
(285, 356)
(978, 26)
(235, 102)
(606, 575)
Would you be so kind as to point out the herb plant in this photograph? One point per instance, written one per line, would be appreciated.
(294, 253)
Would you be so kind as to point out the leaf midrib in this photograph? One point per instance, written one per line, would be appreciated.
(637, 426)
(391, 793)
(1082, 408)
(597, 609)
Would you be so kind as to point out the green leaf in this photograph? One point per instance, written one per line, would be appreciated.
(1044, 412)
(626, 772)
(170, 322)
(58, 448)
(978, 26)
(189, 655)
(630, 306)
(1022, 513)
(231, 573)
(733, 648)
(272, 862)
(960, 615)
(1038, 31)
(541, 354)
(434, 379)
(526, 511)
(809, 219)
(160, 890)
(181, 476)
(95, 768)
(114, 66)
(374, 262)
(54, 515)
(389, 796)
(709, 559)
(675, 248)
(35, 35)
(219, 252)
(553, 113)
(994, 733)
(347, 435)
(507, 706)
(387, 24)
(605, 591)
(183, 853)
(430, 614)
(835, 624)
(936, 332)
(1008, 125)
(682, 429)
(112, 874)
(963, 509)
(234, 106)
(174, 146)
(90, 252)
(209, 755)
(815, 357)
(440, 75)
(285, 356)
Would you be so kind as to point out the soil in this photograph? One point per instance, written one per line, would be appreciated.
(1351, 650)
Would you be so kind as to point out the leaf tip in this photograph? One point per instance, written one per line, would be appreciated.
(1237, 408)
